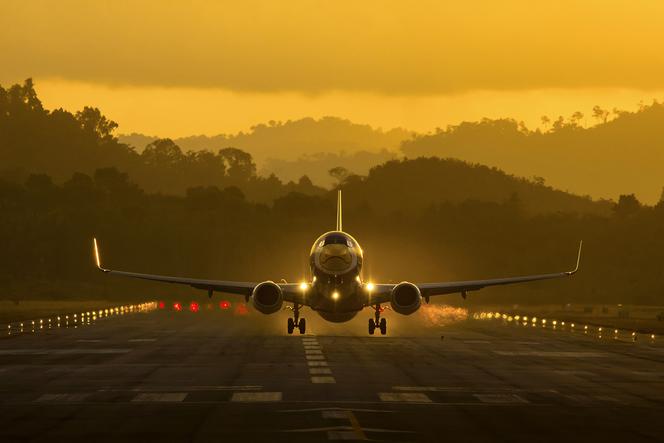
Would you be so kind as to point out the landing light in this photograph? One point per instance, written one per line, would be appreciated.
(335, 295)
(224, 304)
(370, 286)
(193, 306)
(304, 286)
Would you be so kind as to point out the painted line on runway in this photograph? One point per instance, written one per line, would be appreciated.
(85, 340)
(255, 397)
(141, 340)
(316, 363)
(70, 351)
(500, 398)
(78, 397)
(181, 388)
(318, 371)
(169, 397)
(561, 354)
(405, 397)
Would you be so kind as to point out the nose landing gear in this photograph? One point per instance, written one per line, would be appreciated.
(296, 321)
(379, 323)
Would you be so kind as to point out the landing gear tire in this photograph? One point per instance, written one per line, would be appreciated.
(291, 325)
(372, 326)
(383, 326)
(302, 326)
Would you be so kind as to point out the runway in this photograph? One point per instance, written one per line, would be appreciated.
(212, 376)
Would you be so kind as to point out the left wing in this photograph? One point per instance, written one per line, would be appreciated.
(382, 292)
(290, 290)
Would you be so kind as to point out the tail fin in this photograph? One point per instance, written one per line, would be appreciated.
(339, 224)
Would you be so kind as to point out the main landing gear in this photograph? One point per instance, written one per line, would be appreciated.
(296, 321)
(379, 323)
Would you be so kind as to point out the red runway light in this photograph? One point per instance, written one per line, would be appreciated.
(162, 305)
(224, 304)
(193, 306)
(177, 306)
(241, 309)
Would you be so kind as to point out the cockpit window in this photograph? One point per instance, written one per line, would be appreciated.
(336, 239)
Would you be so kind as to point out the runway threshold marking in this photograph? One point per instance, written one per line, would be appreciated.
(160, 397)
(253, 397)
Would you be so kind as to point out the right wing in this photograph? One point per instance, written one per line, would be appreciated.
(382, 292)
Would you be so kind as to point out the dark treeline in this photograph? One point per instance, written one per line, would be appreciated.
(66, 178)
(59, 143)
(46, 231)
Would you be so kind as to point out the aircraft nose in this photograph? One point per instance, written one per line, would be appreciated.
(335, 257)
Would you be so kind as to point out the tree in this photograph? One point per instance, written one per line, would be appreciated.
(93, 122)
(240, 166)
(339, 173)
(600, 114)
(162, 152)
(546, 121)
(576, 118)
(627, 205)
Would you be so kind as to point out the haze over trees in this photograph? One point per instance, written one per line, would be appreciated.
(65, 177)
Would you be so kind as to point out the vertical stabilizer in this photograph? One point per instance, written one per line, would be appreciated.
(339, 224)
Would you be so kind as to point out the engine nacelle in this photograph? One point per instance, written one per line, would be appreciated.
(406, 298)
(267, 297)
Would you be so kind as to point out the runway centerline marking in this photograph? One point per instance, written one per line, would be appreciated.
(314, 357)
(319, 371)
(141, 340)
(160, 397)
(313, 351)
(322, 379)
(317, 363)
(252, 397)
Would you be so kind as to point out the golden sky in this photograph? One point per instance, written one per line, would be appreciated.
(176, 68)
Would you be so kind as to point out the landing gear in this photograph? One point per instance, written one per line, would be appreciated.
(378, 322)
(297, 322)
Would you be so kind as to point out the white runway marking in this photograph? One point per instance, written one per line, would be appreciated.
(319, 371)
(84, 340)
(500, 398)
(314, 357)
(63, 397)
(477, 342)
(317, 363)
(527, 342)
(141, 340)
(335, 413)
(256, 396)
(182, 388)
(584, 373)
(160, 397)
(322, 379)
(408, 397)
(70, 351)
(561, 354)
(312, 347)
(312, 351)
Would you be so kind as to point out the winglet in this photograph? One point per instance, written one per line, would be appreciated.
(339, 224)
(578, 260)
(97, 259)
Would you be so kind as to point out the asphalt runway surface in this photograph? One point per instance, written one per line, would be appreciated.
(212, 376)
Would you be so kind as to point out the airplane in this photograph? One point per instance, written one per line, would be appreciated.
(337, 290)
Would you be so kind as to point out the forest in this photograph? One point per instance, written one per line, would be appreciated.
(65, 178)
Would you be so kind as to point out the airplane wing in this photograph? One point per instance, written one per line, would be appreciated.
(290, 290)
(382, 292)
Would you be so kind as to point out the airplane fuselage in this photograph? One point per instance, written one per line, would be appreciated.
(336, 291)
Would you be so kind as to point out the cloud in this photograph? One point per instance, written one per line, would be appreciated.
(380, 47)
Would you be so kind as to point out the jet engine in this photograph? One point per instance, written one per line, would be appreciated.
(406, 298)
(267, 297)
